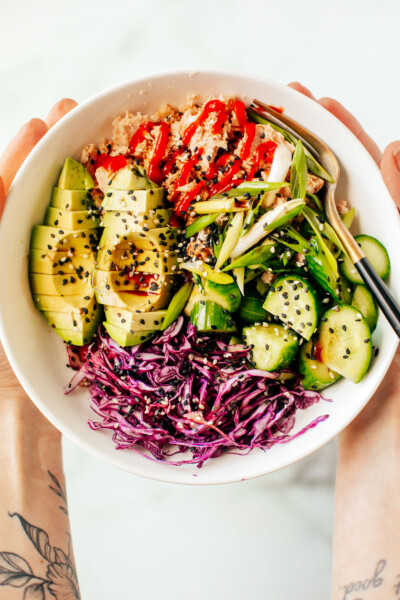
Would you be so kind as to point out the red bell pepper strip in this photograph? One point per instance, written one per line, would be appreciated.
(186, 200)
(265, 152)
(240, 112)
(109, 163)
(139, 136)
(225, 183)
(155, 171)
(185, 172)
(171, 161)
(211, 171)
(213, 106)
(248, 137)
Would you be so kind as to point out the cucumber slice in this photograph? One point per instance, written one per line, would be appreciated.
(295, 302)
(376, 254)
(314, 374)
(364, 302)
(345, 291)
(251, 310)
(209, 316)
(195, 297)
(344, 342)
(228, 296)
(272, 346)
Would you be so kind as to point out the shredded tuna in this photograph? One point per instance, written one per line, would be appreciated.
(342, 207)
(268, 277)
(314, 184)
(123, 129)
(200, 247)
(102, 178)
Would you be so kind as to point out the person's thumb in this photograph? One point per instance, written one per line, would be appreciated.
(390, 169)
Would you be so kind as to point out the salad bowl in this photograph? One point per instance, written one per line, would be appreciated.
(38, 356)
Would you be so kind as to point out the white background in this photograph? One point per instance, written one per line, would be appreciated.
(265, 539)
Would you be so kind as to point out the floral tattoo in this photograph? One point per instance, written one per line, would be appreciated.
(61, 580)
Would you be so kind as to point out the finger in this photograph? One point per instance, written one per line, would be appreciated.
(390, 169)
(19, 148)
(59, 110)
(345, 116)
(2, 197)
(295, 85)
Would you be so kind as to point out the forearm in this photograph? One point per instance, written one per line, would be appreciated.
(34, 521)
(366, 548)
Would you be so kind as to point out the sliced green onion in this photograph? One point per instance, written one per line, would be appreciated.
(231, 239)
(239, 275)
(220, 206)
(251, 188)
(324, 250)
(206, 271)
(315, 200)
(348, 218)
(199, 224)
(254, 257)
(278, 216)
(177, 304)
(321, 223)
(299, 173)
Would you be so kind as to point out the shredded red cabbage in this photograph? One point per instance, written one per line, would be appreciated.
(187, 391)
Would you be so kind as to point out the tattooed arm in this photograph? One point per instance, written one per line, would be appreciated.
(36, 560)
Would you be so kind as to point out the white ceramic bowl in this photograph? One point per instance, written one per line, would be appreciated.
(38, 356)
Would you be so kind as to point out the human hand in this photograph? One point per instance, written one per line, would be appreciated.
(375, 422)
(10, 162)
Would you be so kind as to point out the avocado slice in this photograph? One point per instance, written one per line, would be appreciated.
(131, 178)
(119, 281)
(76, 337)
(60, 239)
(161, 239)
(74, 176)
(133, 301)
(141, 201)
(59, 285)
(126, 221)
(126, 319)
(145, 261)
(59, 263)
(75, 320)
(77, 219)
(71, 199)
(124, 337)
(85, 303)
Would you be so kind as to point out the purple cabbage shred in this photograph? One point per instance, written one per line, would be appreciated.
(185, 390)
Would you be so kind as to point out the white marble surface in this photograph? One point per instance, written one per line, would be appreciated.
(268, 538)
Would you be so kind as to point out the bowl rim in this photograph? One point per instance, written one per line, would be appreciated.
(112, 457)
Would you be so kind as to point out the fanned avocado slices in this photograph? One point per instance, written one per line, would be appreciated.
(63, 255)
